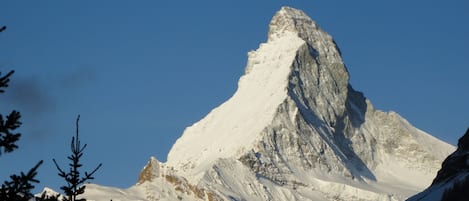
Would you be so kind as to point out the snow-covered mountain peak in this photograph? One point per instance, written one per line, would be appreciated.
(295, 103)
(295, 129)
(271, 77)
(231, 129)
(288, 19)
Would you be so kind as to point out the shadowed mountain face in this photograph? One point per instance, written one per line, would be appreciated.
(452, 181)
(456, 163)
(294, 130)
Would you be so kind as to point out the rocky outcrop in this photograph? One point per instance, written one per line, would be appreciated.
(150, 171)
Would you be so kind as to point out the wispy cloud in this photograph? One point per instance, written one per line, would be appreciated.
(38, 98)
(31, 97)
(30, 94)
(78, 78)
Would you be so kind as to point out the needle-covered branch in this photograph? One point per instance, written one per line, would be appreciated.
(8, 137)
(4, 80)
(20, 186)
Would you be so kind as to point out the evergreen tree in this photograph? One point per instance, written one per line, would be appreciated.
(19, 187)
(74, 181)
(8, 138)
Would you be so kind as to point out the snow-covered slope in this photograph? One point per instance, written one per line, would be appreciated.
(232, 128)
(452, 181)
(294, 130)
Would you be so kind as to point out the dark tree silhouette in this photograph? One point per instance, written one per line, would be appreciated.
(8, 138)
(74, 181)
(19, 187)
(4, 80)
(45, 197)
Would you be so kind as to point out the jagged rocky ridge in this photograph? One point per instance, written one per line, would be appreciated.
(294, 130)
(452, 181)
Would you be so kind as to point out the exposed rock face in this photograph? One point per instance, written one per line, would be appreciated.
(150, 171)
(452, 181)
(296, 130)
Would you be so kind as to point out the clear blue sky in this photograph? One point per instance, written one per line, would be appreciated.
(139, 72)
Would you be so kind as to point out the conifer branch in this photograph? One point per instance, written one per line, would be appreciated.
(7, 137)
(20, 186)
(4, 80)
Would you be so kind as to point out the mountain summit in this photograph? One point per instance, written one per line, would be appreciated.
(276, 76)
(295, 129)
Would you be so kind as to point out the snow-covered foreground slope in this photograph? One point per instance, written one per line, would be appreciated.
(294, 130)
